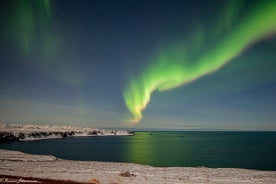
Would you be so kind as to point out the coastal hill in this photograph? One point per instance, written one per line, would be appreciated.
(18, 132)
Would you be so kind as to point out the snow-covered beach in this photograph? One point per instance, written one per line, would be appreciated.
(16, 163)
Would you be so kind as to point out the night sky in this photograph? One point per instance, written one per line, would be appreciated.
(167, 64)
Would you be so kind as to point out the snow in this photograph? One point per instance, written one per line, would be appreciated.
(37, 132)
(48, 167)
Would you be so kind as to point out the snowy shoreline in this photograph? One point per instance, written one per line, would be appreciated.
(14, 163)
(9, 133)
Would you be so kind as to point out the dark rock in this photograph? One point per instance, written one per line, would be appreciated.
(8, 137)
(21, 136)
(127, 174)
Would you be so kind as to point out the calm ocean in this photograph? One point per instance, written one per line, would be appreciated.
(254, 150)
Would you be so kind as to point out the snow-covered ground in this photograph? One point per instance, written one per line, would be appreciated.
(35, 132)
(42, 166)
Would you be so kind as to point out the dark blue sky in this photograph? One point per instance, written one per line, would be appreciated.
(68, 62)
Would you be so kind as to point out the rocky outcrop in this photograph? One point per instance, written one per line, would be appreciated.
(8, 137)
(11, 133)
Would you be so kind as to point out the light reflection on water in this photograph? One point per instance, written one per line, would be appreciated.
(254, 150)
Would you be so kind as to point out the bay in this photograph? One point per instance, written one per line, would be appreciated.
(253, 150)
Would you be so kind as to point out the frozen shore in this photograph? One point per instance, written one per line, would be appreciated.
(37, 132)
(16, 163)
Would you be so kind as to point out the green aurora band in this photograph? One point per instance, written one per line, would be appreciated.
(176, 67)
(30, 20)
(34, 29)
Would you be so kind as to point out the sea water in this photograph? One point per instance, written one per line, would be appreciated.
(254, 150)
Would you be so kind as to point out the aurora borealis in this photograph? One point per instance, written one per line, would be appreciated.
(167, 64)
(176, 69)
